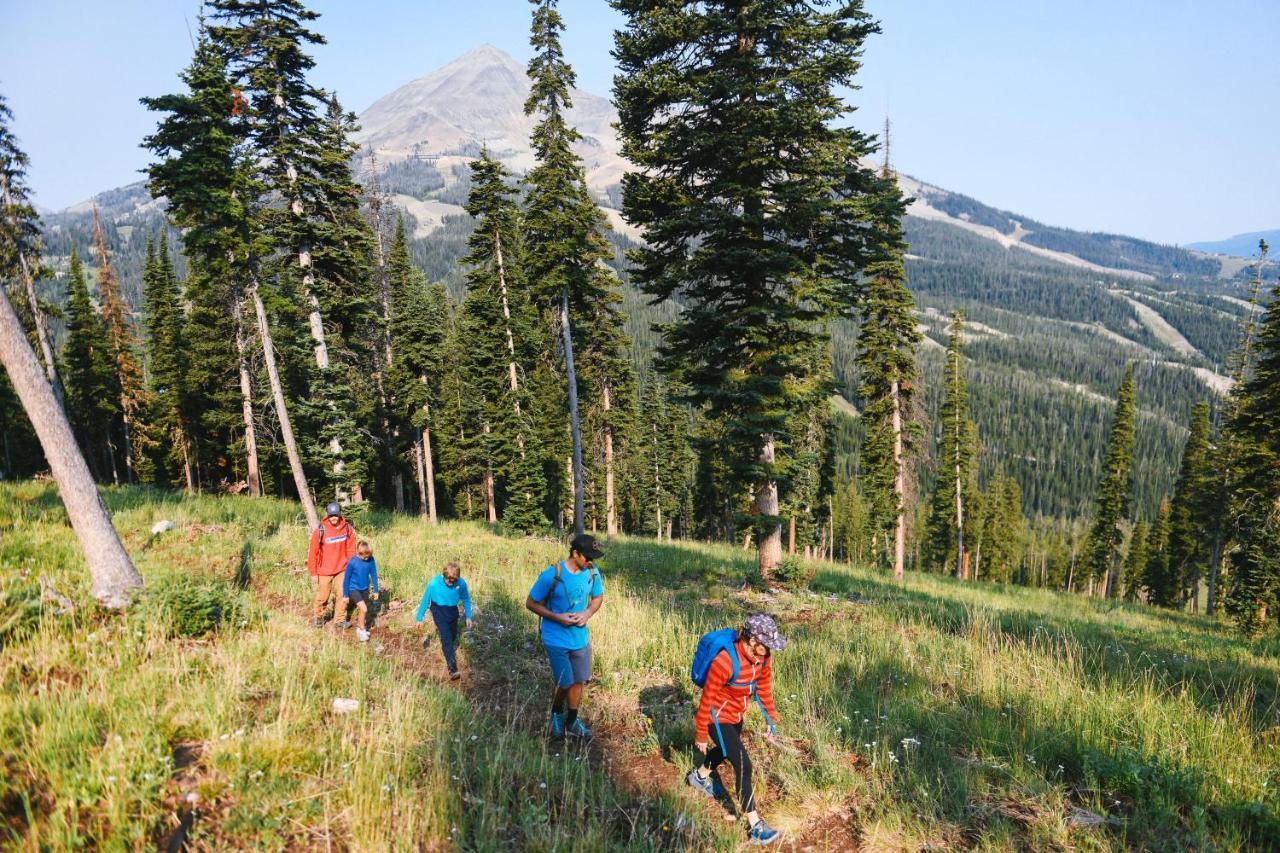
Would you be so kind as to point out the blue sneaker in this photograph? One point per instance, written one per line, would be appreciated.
(557, 724)
(710, 786)
(579, 729)
(762, 834)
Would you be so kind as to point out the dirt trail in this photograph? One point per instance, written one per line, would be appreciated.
(616, 719)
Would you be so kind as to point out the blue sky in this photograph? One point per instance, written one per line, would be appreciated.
(1156, 119)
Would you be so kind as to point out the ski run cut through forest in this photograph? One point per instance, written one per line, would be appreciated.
(757, 494)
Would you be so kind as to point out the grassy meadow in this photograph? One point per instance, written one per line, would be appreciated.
(935, 715)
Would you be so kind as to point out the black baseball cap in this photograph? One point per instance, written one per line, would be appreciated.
(586, 545)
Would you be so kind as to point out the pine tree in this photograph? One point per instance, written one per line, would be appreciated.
(1253, 600)
(1135, 562)
(499, 324)
(1158, 577)
(206, 174)
(93, 392)
(123, 341)
(945, 535)
(20, 240)
(1188, 534)
(419, 320)
(1111, 505)
(1002, 539)
(564, 244)
(752, 197)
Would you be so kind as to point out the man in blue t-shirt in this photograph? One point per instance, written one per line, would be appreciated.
(566, 596)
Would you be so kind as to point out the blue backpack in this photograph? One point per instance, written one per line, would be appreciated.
(710, 645)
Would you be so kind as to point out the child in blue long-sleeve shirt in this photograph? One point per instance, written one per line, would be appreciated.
(360, 585)
(443, 595)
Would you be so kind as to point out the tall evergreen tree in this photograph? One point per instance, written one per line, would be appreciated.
(564, 244)
(1111, 505)
(20, 240)
(1135, 562)
(206, 171)
(93, 392)
(498, 323)
(1254, 597)
(123, 341)
(419, 323)
(1159, 579)
(752, 196)
(167, 365)
(944, 537)
(1189, 535)
(1002, 540)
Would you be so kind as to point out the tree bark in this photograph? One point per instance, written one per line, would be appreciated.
(113, 574)
(1215, 563)
(37, 316)
(899, 486)
(575, 423)
(960, 563)
(610, 506)
(791, 536)
(253, 475)
(282, 411)
(770, 548)
(429, 470)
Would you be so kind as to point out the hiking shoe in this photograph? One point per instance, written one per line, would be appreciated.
(578, 729)
(342, 623)
(317, 622)
(362, 635)
(762, 834)
(706, 786)
(455, 675)
(557, 724)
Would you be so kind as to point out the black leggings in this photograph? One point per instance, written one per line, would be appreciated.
(736, 754)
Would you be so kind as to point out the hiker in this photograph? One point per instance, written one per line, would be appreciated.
(732, 666)
(443, 594)
(332, 544)
(566, 596)
(359, 586)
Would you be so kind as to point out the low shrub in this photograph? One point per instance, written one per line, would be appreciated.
(794, 573)
(196, 609)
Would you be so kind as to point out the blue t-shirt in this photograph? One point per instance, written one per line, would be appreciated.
(571, 595)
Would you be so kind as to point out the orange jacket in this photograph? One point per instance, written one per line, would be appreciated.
(331, 546)
(729, 701)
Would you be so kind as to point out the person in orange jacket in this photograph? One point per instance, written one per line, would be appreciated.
(333, 543)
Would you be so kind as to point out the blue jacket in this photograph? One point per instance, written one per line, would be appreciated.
(360, 574)
(439, 592)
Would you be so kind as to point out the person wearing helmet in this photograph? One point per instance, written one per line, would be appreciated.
(333, 543)
(736, 675)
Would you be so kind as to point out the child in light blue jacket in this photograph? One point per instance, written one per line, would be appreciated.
(443, 595)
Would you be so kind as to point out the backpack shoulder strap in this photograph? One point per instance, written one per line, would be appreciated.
(554, 584)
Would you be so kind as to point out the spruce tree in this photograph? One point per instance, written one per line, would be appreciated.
(752, 197)
(1253, 600)
(123, 341)
(498, 323)
(1135, 562)
(93, 392)
(564, 244)
(1111, 505)
(419, 321)
(1189, 535)
(944, 537)
(168, 365)
(1002, 540)
(1159, 579)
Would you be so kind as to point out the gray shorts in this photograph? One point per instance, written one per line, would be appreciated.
(570, 666)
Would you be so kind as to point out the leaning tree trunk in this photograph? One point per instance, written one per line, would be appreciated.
(579, 500)
(899, 486)
(37, 316)
(770, 547)
(113, 573)
(253, 477)
(282, 411)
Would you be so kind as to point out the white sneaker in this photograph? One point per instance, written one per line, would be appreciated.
(362, 635)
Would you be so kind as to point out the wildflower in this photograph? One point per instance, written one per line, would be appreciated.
(542, 784)
(908, 742)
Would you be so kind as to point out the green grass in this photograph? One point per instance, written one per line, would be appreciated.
(931, 714)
